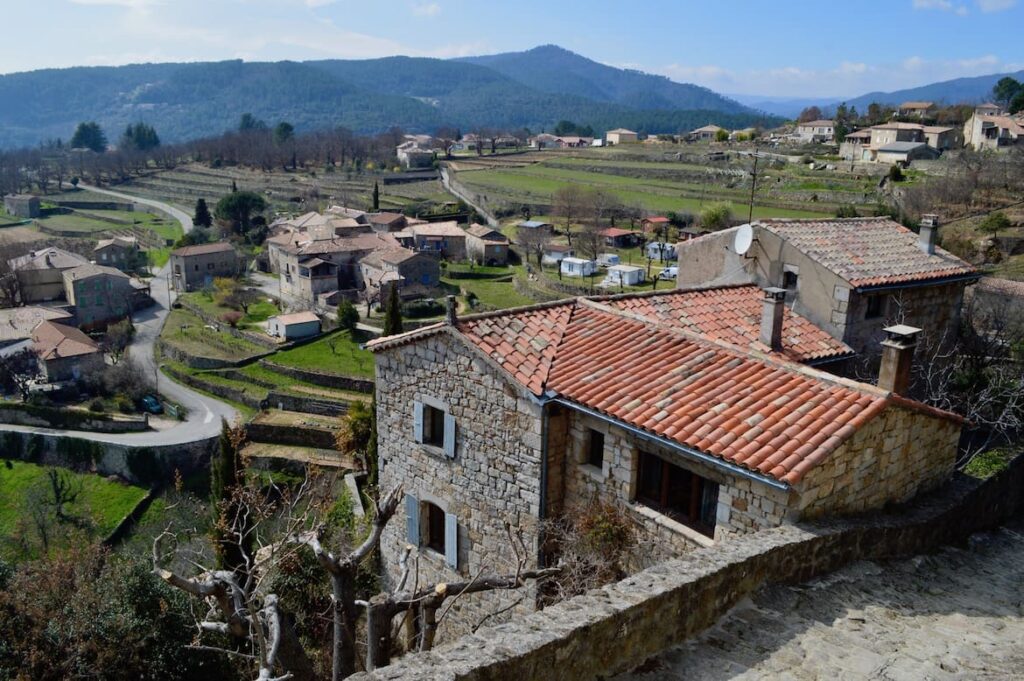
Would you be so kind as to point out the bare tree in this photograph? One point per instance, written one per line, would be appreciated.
(533, 242)
(568, 202)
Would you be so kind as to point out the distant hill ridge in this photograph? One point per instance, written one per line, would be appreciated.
(533, 89)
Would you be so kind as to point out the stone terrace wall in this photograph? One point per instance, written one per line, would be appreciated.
(324, 380)
(614, 629)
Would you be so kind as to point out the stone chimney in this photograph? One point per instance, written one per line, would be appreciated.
(897, 358)
(449, 313)
(774, 305)
(929, 233)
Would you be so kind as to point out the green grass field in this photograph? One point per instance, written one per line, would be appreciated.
(102, 502)
(346, 359)
(258, 312)
(190, 333)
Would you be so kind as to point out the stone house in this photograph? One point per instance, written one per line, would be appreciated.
(411, 155)
(122, 252)
(415, 274)
(486, 245)
(101, 295)
(22, 206)
(18, 323)
(443, 239)
(850, 276)
(195, 267)
(708, 133)
(518, 416)
(815, 131)
(903, 153)
(41, 273)
(916, 109)
(621, 136)
(983, 131)
(387, 222)
(65, 353)
(313, 269)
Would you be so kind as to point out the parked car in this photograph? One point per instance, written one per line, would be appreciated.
(152, 405)
(668, 273)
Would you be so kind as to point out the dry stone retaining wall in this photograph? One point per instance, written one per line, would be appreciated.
(324, 380)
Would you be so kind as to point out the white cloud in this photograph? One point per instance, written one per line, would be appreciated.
(942, 6)
(995, 5)
(426, 9)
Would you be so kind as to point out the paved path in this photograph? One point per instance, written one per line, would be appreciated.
(204, 413)
(958, 614)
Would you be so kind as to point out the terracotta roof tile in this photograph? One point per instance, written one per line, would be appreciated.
(868, 251)
(732, 314)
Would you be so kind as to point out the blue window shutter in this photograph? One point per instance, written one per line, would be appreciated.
(451, 540)
(417, 421)
(412, 519)
(449, 435)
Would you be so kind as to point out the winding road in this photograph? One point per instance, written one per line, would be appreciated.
(204, 413)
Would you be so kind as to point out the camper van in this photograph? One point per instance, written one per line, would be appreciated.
(578, 267)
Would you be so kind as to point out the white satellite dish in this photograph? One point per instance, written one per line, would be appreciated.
(743, 240)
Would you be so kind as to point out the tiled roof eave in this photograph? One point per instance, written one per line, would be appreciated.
(920, 279)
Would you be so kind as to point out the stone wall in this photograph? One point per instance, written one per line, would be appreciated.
(744, 505)
(493, 477)
(53, 417)
(897, 455)
(299, 436)
(618, 627)
(935, 309)
(325, 380)
(309, 405)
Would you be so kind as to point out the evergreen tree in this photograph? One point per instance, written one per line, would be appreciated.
(202, 217)
(89, 135)
(234, 187)
(227, 475)
(348, 316)
(376, 196)
(393, 314)
(139, 137)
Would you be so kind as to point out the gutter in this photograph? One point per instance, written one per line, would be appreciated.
(687, 452)
(542, 511)
(918, 284)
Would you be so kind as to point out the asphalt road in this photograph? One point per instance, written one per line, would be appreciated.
(204, 413)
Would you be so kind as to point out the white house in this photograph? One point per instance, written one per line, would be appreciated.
(294, 326)
(578, 267)
(659, 250)
(624, 275)
(555, 253)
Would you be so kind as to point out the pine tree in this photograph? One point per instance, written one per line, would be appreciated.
(202, 216)
(393, 314)
(227, 475)
(376, 197)
(234, 187)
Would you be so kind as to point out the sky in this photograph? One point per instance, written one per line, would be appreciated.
(787, 49)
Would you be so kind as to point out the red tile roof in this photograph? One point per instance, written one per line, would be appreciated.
(612, 232)
(868, 251)
(203, 249)
(732, 314)
(768, 415)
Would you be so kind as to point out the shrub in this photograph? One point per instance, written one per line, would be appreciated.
(426, 307)
(97, 406)
(124, 404)
(348, 316)
(716, 217)
(846, 211)
(896, 174)
(232, 318)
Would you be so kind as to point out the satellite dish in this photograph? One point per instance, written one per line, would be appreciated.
(743, 240)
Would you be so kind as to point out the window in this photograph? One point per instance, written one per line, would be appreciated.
(789, 279)
(196, 267)
(678, 493)
(876, 307)
(429, 525)
(595, 449)
(433, 426)
(177, 269)
(434, 527)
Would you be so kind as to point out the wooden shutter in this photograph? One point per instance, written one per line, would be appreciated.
(417, 421)
(449, 435)
(451, 540)
(412, 519)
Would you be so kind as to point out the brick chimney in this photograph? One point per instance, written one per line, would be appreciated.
(897, 358)
(929, 233)
(449, 313)
(773, 306)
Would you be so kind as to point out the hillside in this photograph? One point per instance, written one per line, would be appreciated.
(973, 90)
(550, 68)
(185, 101)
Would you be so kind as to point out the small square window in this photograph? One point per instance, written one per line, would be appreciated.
(876, 307)
(433, 426)
(595, 449)
(789, 279)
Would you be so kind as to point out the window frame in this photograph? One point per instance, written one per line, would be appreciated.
(433, 420)
(594, 456)
(874, 307)
(699, 515)
(433, 523)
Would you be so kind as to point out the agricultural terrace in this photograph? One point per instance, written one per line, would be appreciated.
(679, 178)
(285, 191)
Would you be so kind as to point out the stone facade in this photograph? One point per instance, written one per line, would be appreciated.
(195, 267)
(494, 475)
(897, 455)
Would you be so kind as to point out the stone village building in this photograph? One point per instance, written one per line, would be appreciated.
(195, 267)
(41, 273)
(851, 277)
(695, 418)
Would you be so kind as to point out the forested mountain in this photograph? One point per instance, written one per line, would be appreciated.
(973, 90)
(184, 101)
(550, 68)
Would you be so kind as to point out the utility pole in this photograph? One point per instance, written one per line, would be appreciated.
(753, 185)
